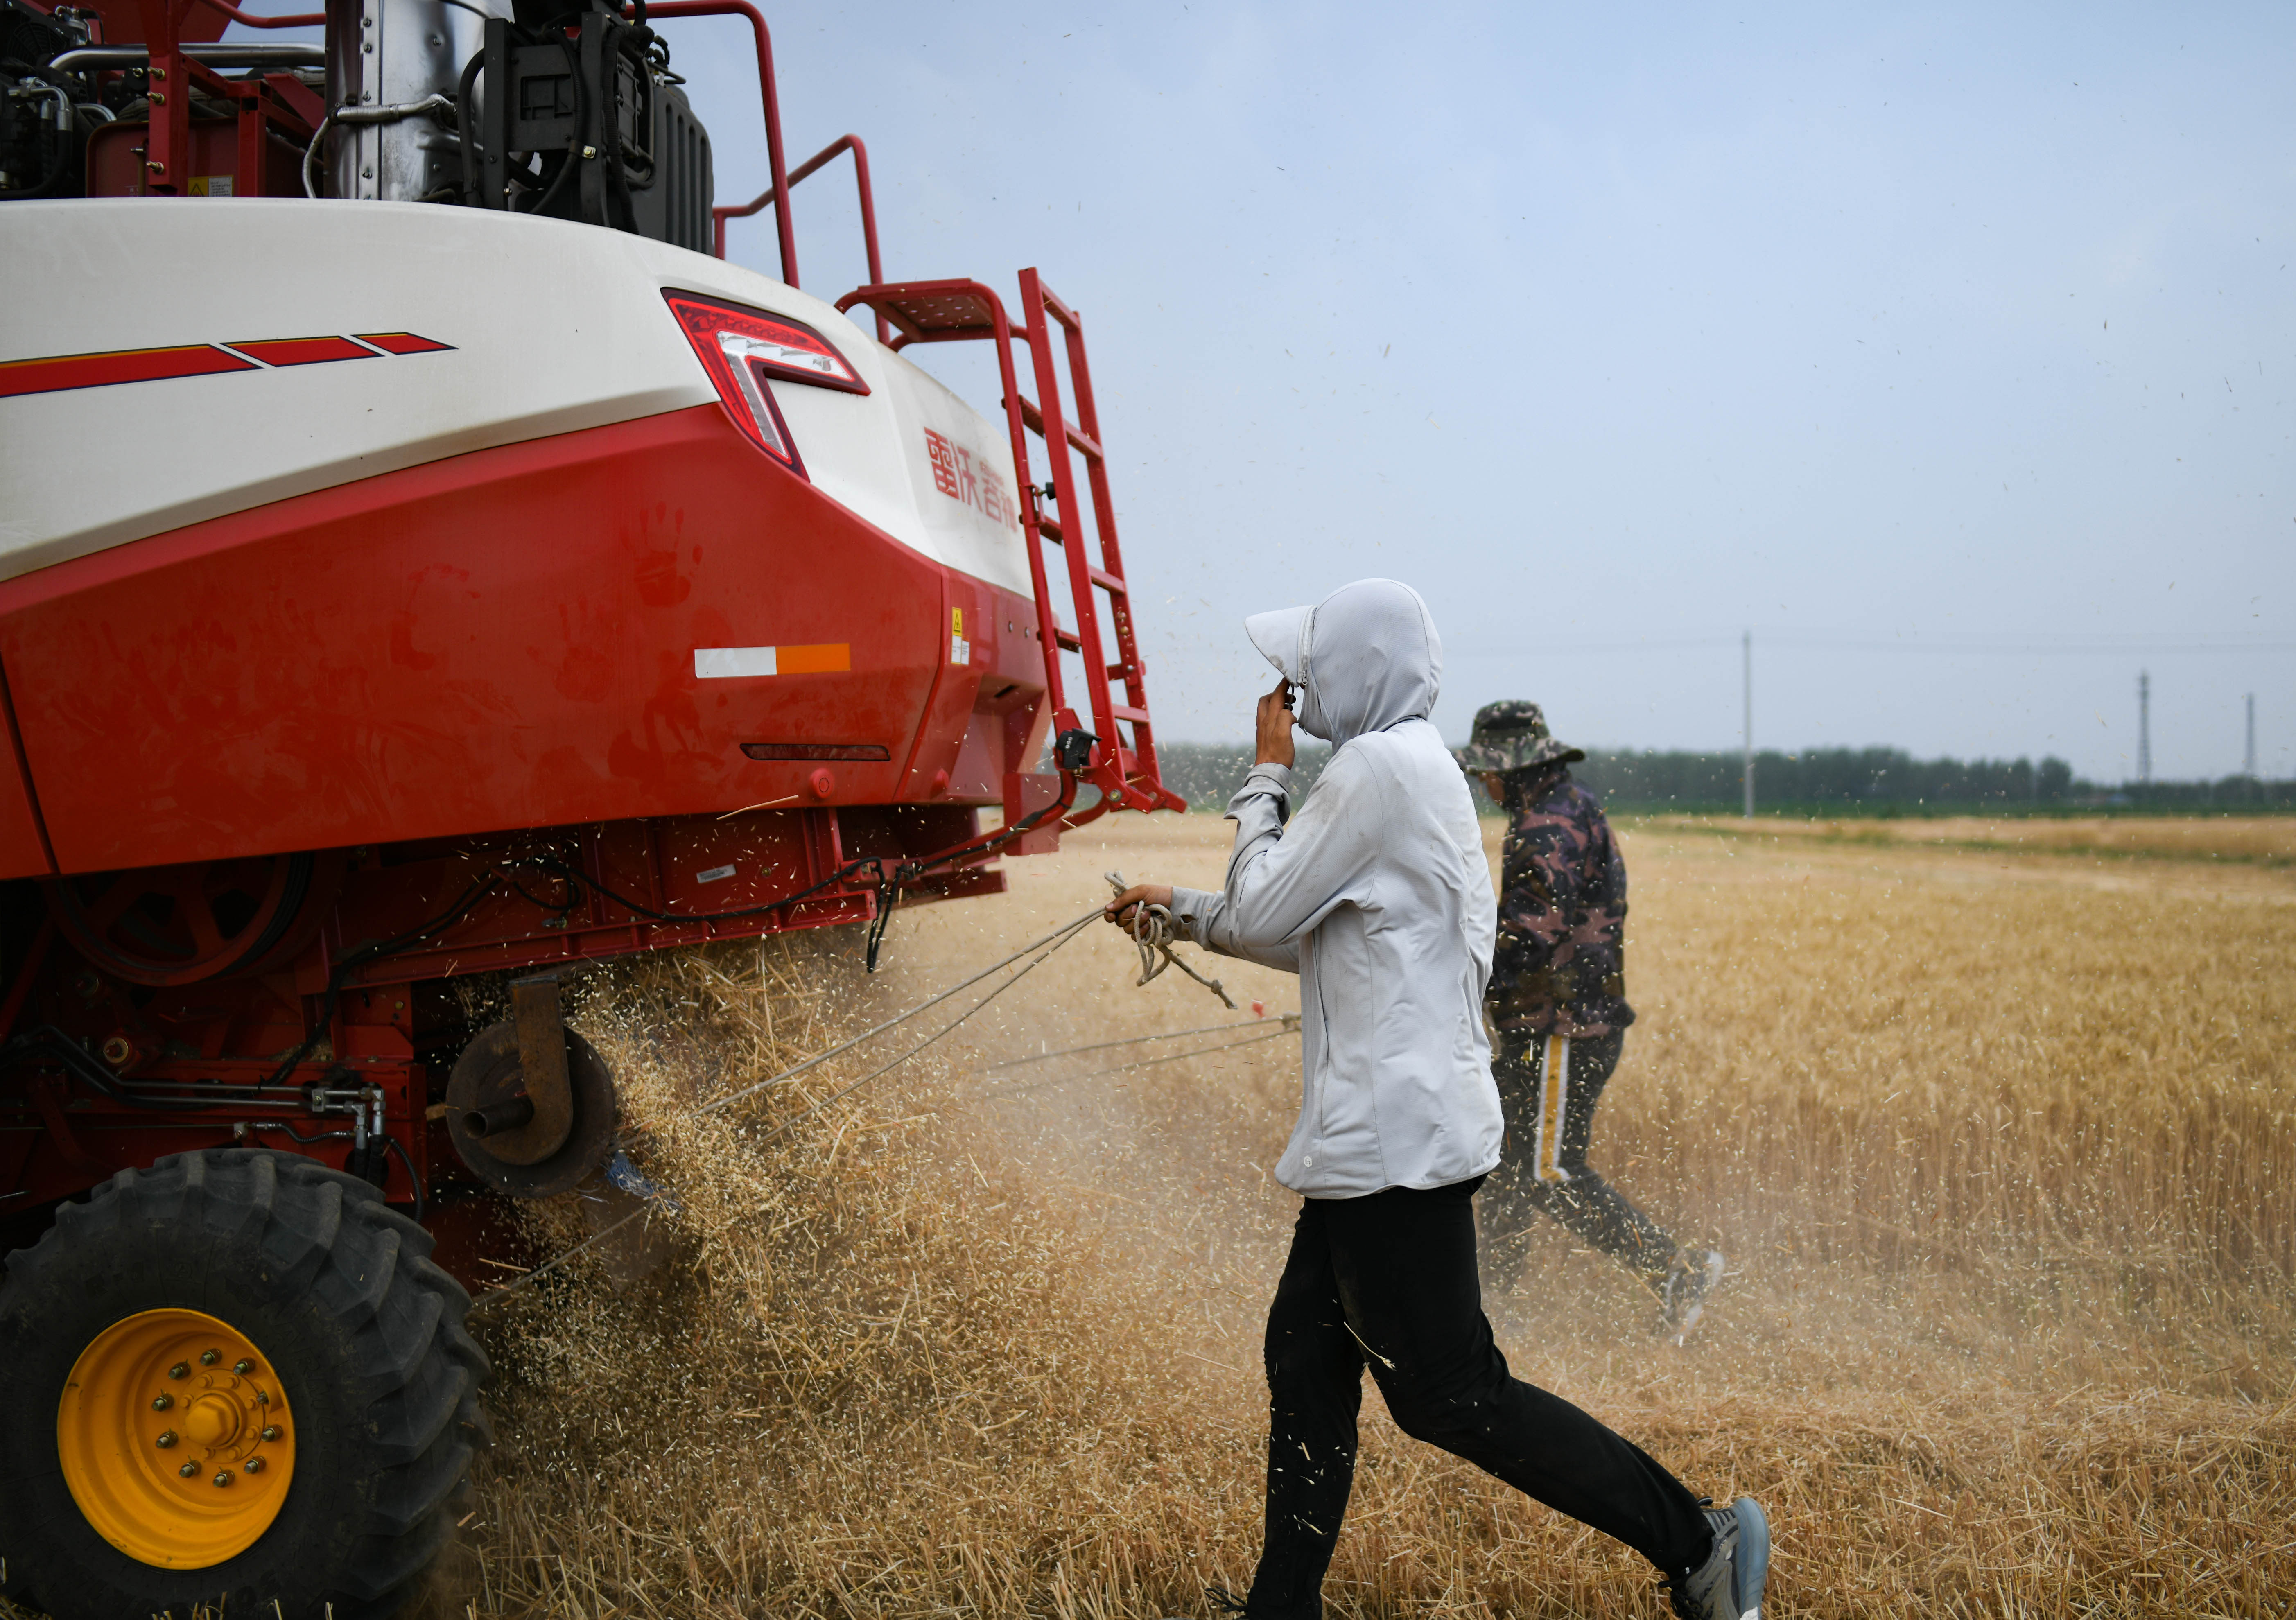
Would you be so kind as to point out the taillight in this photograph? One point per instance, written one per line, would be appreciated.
(743, 348)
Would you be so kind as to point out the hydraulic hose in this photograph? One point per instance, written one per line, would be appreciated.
(581, 117)
(352, 962)
(464, 107)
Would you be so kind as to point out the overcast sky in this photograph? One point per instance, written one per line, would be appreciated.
(1896, 336)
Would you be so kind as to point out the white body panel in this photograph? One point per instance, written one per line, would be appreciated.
(556, 327)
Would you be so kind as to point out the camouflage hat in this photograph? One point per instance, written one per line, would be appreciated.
(1512, 736)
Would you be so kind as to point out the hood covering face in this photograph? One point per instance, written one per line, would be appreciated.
(1367, 657)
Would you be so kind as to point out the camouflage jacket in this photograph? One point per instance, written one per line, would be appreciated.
(1560, 966)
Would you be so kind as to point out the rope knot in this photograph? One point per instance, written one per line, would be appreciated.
(1154, 932)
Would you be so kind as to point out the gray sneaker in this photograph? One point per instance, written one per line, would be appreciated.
(1681, 1297)
(1728, 1585)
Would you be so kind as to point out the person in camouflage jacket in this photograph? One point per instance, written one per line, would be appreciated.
(1557, 1003)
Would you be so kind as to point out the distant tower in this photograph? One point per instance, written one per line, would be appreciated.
(2248, 758)
(1748, 645)
(2143, 725)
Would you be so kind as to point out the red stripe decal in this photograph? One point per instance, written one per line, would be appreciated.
(304, 351)
(402, 343)
(120, 365)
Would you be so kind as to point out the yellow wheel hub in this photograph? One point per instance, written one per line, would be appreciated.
(175, 1439)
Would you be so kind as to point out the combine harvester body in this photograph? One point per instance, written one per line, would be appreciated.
(461, 570)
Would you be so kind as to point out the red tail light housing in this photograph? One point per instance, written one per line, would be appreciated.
(744, 350)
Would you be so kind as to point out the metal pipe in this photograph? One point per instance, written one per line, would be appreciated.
(311, 156)
(59, 100)
(498, 1117)
(50, 1042)
(233, 54)
(390, 113)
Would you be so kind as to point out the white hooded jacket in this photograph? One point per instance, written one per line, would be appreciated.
(1376, 894)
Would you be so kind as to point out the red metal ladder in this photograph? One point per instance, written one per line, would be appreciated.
(1127, 774)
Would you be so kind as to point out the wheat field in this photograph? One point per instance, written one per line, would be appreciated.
(1999, 1145)
(2222, 839)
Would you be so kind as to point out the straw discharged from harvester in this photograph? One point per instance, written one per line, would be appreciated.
(981, 1336)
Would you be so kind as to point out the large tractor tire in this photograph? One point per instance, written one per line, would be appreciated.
(233, 1379)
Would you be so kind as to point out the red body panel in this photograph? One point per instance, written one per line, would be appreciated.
(218, 150)
(288, 772)
(499, 640)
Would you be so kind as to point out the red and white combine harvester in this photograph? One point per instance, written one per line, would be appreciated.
(423, 555)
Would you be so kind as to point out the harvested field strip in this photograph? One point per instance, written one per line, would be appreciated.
(2233, 840)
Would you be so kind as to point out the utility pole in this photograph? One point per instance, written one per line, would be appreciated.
(2248, 758)
(2143, 725)
(1748, 645)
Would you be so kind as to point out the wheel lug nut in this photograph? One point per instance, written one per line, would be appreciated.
(242, 1367)
(253, 1465)
(222, 1478)
(272, 1431)
(181, 1369)
(209, 1358)
(165, 1440)
(188, 1469)
(161, 1403)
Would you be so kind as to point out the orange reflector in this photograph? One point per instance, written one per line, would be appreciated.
(831, 658)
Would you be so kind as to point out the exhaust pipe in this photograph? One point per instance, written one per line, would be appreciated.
(497, 1118)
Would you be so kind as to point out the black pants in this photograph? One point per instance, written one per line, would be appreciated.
(1548, 1088)
(1389, 1279)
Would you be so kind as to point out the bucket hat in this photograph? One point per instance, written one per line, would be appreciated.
(1511, 735)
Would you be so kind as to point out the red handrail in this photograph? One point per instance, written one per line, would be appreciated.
(770, 195)
(770, 95)
(304, 20)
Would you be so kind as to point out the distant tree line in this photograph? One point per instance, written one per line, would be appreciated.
(1208, 773)
(1814, 781)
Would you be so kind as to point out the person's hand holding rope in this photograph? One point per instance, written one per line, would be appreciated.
(1144, 912)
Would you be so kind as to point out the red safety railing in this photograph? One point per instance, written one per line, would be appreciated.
(308, 19)
(770, 97)
(776, 195)
(771, 197)
(966, 311)
(1060, 435)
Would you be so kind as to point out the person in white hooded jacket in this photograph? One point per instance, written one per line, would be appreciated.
(1376, 892)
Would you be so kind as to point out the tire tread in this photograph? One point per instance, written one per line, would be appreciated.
(416, 1370)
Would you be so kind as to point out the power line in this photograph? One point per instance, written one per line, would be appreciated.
(2033, 649)
(1820, 641)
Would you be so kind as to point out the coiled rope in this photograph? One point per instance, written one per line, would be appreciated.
(1153, 932)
